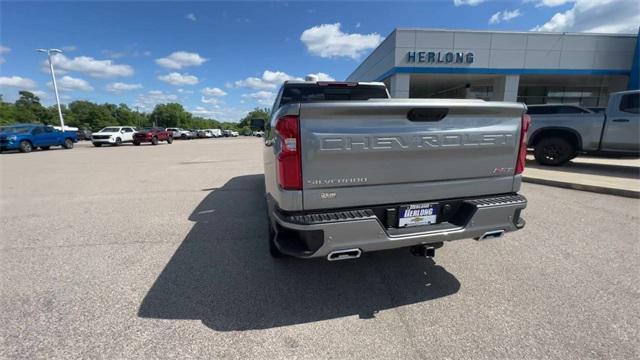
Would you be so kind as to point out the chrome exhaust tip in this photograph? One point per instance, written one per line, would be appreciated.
(344, 254)
(493, 234)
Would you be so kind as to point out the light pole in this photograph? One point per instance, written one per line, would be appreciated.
(55, 86)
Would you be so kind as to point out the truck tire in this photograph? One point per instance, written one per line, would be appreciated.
(154, 140)
(136, 143)
(273, 250)
(169, 139)
(183, 136)
(68, 144)
(25, 146)
(118, 141)
(554, 151)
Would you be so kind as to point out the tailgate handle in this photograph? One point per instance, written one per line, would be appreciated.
(427, 114)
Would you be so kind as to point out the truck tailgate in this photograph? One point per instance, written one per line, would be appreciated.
(389, 151)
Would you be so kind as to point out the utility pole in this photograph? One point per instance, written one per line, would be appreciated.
(53, 76)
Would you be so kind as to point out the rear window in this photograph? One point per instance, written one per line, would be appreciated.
(556, 109)
(630, 103)
(541, 110)
(313, 93)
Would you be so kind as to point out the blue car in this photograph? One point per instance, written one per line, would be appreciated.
(27, 137)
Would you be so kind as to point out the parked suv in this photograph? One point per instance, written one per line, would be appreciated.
(113, 135)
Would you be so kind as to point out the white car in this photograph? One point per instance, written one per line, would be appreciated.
(216, 132)
(179, 133)
(206, 133)
(234, 133)
(113, 135)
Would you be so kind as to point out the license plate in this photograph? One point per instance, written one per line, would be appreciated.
(417, 214)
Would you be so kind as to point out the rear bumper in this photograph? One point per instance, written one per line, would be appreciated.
(318, 234)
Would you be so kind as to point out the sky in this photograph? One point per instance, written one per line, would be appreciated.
(222, 59)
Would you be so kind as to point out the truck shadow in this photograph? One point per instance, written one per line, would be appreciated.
(222, 273)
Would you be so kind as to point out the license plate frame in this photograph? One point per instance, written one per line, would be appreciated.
(422, 214)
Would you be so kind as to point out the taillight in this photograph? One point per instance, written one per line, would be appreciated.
(289, 164)
(522, 151)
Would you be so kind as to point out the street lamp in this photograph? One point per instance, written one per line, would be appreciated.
(53, 76)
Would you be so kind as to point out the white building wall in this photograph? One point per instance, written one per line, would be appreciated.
(399, 86)
(506, 54)
(500, 50)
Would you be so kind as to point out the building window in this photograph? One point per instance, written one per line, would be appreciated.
(584, 96)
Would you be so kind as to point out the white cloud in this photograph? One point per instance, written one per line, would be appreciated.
(41, 94)
(467, 2)
(181, 59)
(598, 16)
(212, 100)
(3, 50)
(178, 79)
(89, 66)
(191, 17)
(228, 114)
(504, 16)
(328, 41)
(114, 54)
(17, 82)
(213, 91)
(68, 83)
(550, 3)
(269, 80)
(262, 97)
(120, 86)
(69, 48)
(203, 112)
(322, 76)
(148, 101)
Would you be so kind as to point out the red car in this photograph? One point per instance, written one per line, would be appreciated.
(152, 135)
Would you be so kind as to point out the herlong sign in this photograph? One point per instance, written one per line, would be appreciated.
(439, 57)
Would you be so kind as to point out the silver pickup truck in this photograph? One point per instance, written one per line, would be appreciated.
(559, 132)
(348, 170)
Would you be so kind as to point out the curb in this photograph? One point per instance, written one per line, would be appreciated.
(584, 187)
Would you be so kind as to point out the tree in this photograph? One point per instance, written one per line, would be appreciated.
(91, 115)
(88, 115)
(29, 110)
(256, 113)
(170, 115)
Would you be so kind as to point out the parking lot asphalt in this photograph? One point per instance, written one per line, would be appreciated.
(161, 252)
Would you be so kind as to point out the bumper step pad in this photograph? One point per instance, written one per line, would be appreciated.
(331, 217)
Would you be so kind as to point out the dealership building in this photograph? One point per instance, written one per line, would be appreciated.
(531, 67)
